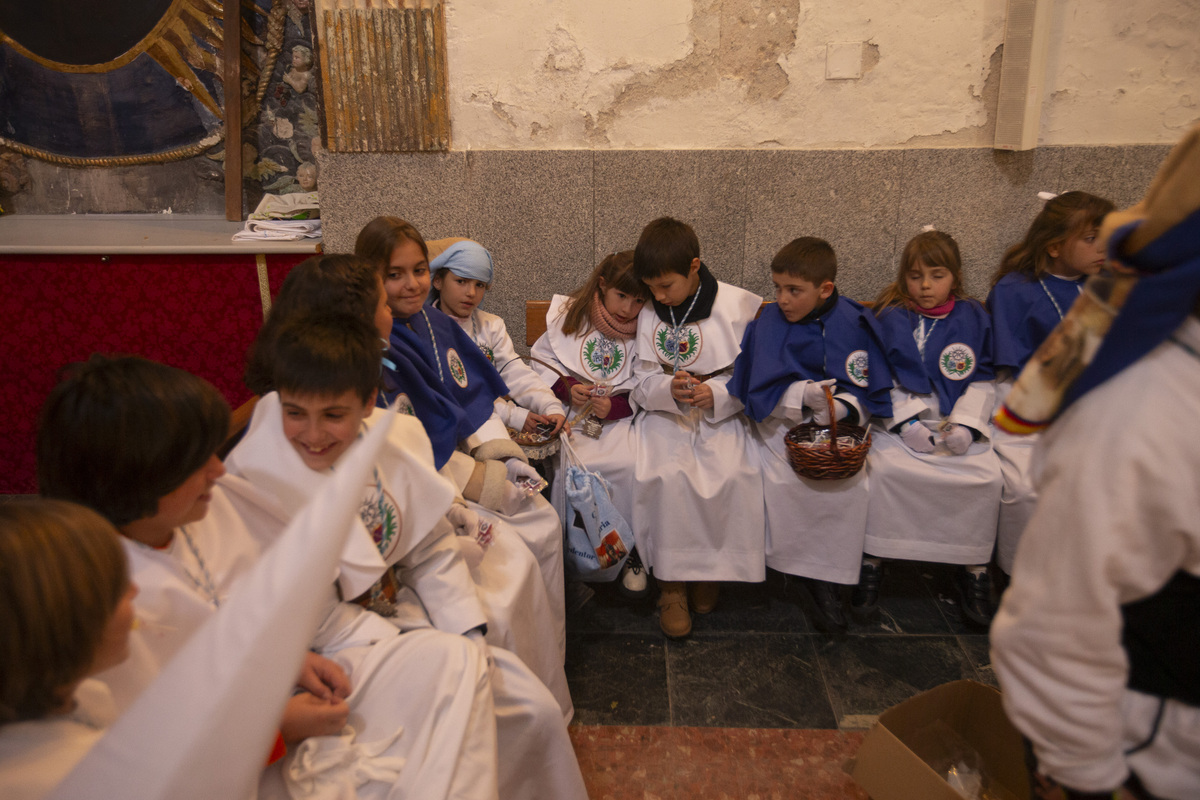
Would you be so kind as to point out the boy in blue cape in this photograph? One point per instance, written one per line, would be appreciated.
(809, 339)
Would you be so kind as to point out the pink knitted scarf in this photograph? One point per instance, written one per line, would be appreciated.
(606, 324)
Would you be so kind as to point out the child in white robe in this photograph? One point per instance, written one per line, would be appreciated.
(510, 583)
(430, 358)
(590, 342)
(326, 370)
(137, 441)
(808, 339)
(1097, 641)
(697, 506)
(935, 481)
(1037, 283)
(462, 275)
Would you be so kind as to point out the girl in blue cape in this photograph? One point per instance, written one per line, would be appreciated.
(1037, 283)
(935, 481)
(808, 339)
(456, 368)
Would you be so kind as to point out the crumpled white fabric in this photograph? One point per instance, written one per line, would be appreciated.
(333, 767)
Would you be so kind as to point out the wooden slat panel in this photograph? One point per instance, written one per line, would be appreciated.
(387, 77)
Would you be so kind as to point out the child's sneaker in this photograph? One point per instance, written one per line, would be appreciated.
(633, 582)
(975, 591)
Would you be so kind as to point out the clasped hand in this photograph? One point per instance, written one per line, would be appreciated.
(582, 392)
(689, 391)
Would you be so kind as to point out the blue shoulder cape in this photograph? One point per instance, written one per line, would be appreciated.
(1162, 299)
(958, 350)
(1023, 315)
(463, 370)
(839, 344)
(444, 420)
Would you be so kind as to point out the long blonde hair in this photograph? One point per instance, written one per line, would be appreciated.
(935, 248)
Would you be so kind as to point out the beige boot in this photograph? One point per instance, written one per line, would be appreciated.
(703, 595)
(673, 616)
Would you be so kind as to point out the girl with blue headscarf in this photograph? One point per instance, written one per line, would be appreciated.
(462, 274)
(426, 343)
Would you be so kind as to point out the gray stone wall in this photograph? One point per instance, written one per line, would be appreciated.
(548, 216)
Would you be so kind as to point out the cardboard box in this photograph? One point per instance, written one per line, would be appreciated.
(890, 764)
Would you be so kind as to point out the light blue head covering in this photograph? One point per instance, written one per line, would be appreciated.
(466, 260)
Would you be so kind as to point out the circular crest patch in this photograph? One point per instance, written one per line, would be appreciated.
(457, 370)
(381, 517)
(856, 368)
(601, 356)
(487, 351)
(687, 342)
(957, 361)
(403, 405)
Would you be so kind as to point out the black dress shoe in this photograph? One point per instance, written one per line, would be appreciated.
(975, 591)
(827, 598)
(864, 600)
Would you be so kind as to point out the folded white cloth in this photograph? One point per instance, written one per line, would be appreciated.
(279, 230)
(333, 767)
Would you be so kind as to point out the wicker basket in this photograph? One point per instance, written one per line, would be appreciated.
(535, 446)
(815, 452)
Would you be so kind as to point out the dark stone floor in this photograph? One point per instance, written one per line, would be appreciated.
(758, 661)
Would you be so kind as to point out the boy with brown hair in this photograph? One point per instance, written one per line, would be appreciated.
(810, 339)
(697, 506)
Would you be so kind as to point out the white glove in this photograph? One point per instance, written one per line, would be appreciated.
(464, 520)
(511, 499)
(519, 469)
(957, 439)
(814, 398)
(918, 437)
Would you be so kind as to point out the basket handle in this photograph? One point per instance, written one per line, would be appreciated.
(550, 367)
(833, 434)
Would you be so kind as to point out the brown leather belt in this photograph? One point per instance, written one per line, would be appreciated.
(669, 370)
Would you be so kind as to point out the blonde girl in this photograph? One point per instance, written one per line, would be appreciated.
(934, 480)
(1036, 284)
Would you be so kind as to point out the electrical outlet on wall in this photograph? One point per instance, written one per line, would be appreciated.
(843, 61)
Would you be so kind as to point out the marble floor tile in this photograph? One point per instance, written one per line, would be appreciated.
(608, 612)
(905, 604)
(866, 675)
(747, 681)
(768, 607)
(978, 650)
(618, 679)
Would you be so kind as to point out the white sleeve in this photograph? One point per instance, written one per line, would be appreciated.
(905, 405)
(1115, 520)
(441, 579)
(974, 407)
(653, 390)
(524, 385)
(725, 405)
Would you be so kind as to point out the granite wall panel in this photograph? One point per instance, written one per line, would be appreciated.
(705, 188)
(549, 215)
(849, 198)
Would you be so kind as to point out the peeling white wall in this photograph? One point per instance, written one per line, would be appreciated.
(532, 74)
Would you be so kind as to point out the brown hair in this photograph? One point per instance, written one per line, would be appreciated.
(934, 248)
(119, 433)
(617, 271)
(326, 355)
(62, 575)
(807, 258)
(666, 245)
(379, 238)
(1062, 218)
(337, 284)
